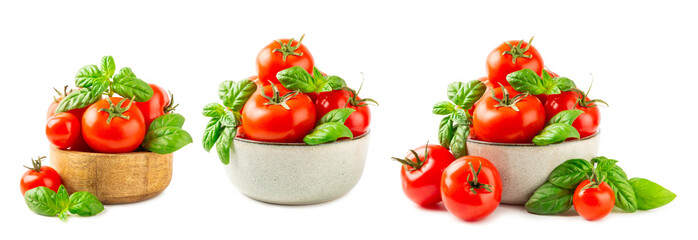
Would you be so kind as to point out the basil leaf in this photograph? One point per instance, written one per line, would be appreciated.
(78, 99)
(606, 165)
(550, 199)
(296, 78)
(650, 195)
(564, 84)
(327, 132)
(85, 204)
(168, 120)
(460, 117)
(229, 119)
(335, 82)
(42, 201)
(211, 133)
(235, 94)
(570, 173)
(339, 115)
(90, 75)
(63, 215)
(128, 85)
(446, 131)
(625, 195)
(443, 108)
(526, 80)
(458, 146)
(166, 140)
(224, 144)
(108, 66)
(555, 133)
(567, 116)
(465, 94)
(62, 198)
(215, 110)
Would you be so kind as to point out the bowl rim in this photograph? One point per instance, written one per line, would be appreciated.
(532, 144)
(104, 154)
(299, 144)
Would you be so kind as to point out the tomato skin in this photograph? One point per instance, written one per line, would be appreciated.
(593, 203)
(358, 122)
(455, 189)
(63, 130)
(422, 186)
(269, 62)
(154, 107)
(587, 123)
(120, 135)
(499, 66)
(273, 123)
(46, 177)
(504, 124)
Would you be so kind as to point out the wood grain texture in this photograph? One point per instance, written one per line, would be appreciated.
(114, 178)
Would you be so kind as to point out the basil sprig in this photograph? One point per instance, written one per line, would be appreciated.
(225, 119)
(559, 128)
(297, 79)
(44, 201)
(95, 81)
(454, 128)
(555, 196)
(526, 80)
(330, 127)
(165, 134)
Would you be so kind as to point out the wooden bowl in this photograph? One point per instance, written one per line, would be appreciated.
(114, 178)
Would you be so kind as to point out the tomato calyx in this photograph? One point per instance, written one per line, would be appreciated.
(506, 101)
(117, 110)
(61, 94)
(353, 99)
(474, 184)
(288, 48)
(517, 51)
(415, 165)
(583, 102)
(594, 181)
(36, 164)
(170, 106)
(276, 98)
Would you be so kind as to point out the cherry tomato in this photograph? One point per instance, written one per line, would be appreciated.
(421, 173)
(120, 129)
(358, 122)
(39, 176)
(499, 121)
(593, 201)
(512, 56)
(158, 105)
(63, 130)
(588, 123)
(264, 118)
(471, 188)
(282, 54)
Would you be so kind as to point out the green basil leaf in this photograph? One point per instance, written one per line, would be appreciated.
(650, 195)
(236, 94)
(62, 198)
(458, 146)
(570, 173)
(546, 76)
(128, 85)
(108, 66)
(85, 204)
(168, 120)
(526, 80)
(63, 215)
(555, 133)
(78, 99)
(606, 165)
(625, 195)
(460, 117)
(465, 94)
(339, 115)
(211, 133)
(42, 201)
(296, 78)
(327, 132)
(335, 82)
(90, 75)
(564, 84)
(550, 199)
(224, 143)
(446, 131)
(567, 116)
(215, 110)
(229, 119)
(166, 140)
(444, 108)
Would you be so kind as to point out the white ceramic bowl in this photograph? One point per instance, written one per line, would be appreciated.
(297, 173)
(525, 167)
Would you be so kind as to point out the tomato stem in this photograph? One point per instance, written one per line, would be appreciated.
(276, 99)
(288, 48)
(170, 108)
(517, 51)
(506, 101)
(418, 163)
(474, 184)
(36, 164)
(583, 102)
(117, 110)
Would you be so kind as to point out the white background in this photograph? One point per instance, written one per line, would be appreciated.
(642, 56)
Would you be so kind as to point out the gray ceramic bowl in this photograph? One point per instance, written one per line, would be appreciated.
(525, 167)
(297, 173)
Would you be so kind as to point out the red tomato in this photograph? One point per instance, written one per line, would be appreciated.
(593, 201)
(421, 173)
(512, 56)
(39, 176)
(120, 129)
(158, 105)
(282, 54)
(264, 118)
(471, 194)
(495, 121)
(357, 122)
(587, 124)
(63, 130)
